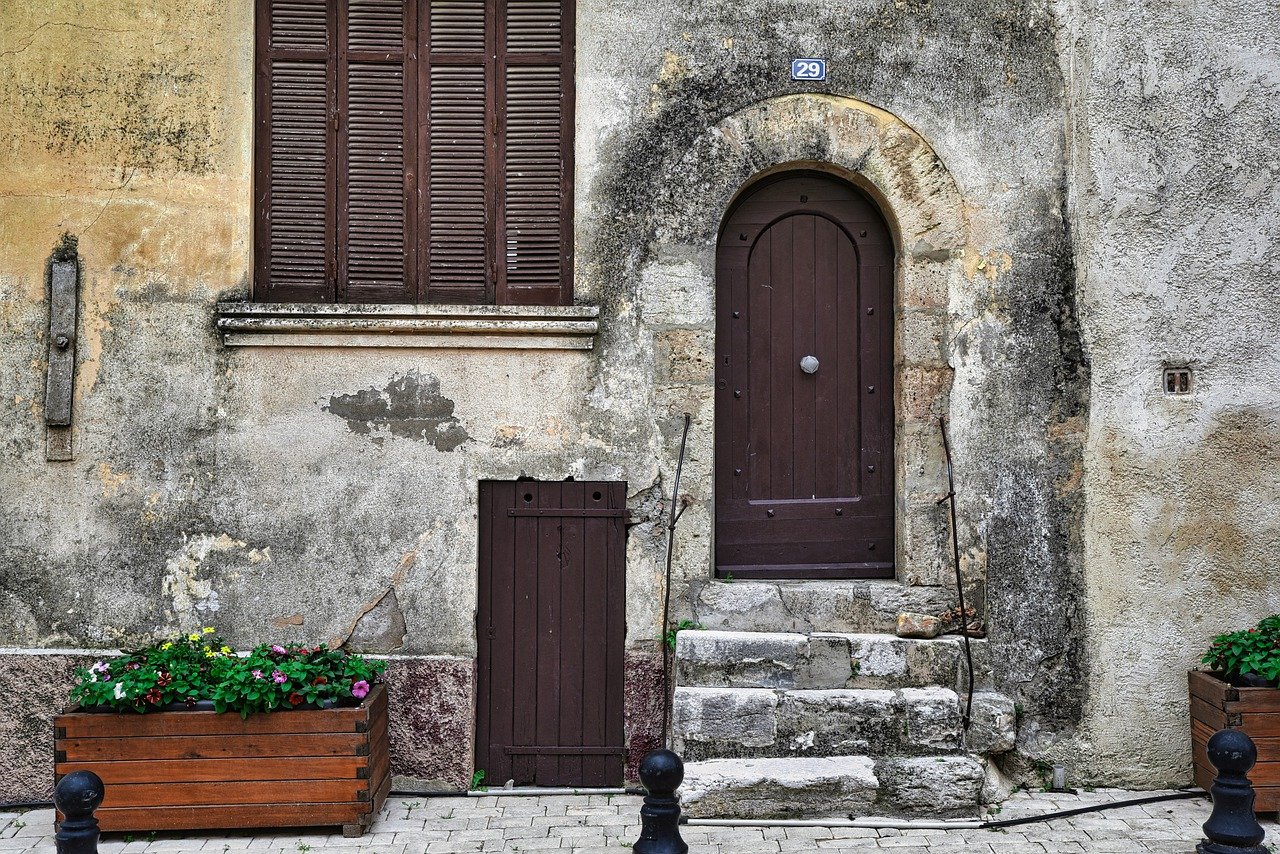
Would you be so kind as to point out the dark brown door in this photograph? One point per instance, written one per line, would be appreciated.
(551, 629)
(804, 384)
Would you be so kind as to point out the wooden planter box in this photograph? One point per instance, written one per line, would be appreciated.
(1217, 705)
(207, 771)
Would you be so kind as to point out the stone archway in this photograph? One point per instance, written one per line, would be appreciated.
(925, 211)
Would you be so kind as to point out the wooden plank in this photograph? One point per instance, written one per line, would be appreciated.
(223, 816)
(1202, 711)
(1258, 725)
(616, 639)
(1209, 688)
(131, 724)
(575, 693)
(1263, 700)
(216, 770)
(238, 792)
(209, 746)
(549, 637)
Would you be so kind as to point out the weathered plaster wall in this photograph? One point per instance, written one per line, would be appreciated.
(1177, 215)
(284, 492)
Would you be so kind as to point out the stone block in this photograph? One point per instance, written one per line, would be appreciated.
(885, 661)
(932, 718)
(827, 664)
(924, 392)
(778, 788)
(744, 606)
(739, 659)
(993, 724)
(710, 722)
(918, 626)
(942, 786)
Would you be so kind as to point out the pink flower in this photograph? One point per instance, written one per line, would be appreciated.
(278, 677)
(360, 689)
(278, 649)
(100, 669)
(257, 674)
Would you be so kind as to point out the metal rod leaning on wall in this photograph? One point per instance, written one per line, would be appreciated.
(950, 497)
(668, 648)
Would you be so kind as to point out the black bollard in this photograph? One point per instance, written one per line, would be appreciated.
(1232, 827)
(76, 796)
(662, 772)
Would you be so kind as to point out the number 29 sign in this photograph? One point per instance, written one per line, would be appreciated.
(808, 69)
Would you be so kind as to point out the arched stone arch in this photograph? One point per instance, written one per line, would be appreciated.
(923, 205)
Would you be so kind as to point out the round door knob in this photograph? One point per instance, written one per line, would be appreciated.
(809, 365)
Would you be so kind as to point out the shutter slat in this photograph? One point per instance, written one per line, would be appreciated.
(533, 26)
(299, 24)
(376, 25)
(456, 183)
(298, 208)
(533, 223)
(457, 25)
(375, 187)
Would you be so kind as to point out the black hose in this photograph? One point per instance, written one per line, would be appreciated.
(950, 497)
(1134, 802)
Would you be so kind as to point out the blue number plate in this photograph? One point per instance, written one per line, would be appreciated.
(808, 69)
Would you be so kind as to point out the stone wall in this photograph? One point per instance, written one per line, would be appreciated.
(330, 493)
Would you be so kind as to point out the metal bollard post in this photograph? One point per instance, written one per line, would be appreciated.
(661, 771)
(1232, 827)
(76, 796)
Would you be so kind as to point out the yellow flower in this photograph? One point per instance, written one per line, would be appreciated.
(166, 645)
(208, 653)
(193, 636)
(208, 630)
(226, 650)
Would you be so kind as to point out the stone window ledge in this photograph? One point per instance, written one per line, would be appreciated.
(503, 327)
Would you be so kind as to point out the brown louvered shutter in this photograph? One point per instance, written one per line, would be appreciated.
(295, 188)
(535, 79)
(458, 152)
(376, 96)
(499, 119)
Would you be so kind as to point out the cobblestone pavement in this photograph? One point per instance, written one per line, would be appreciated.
(595, 824)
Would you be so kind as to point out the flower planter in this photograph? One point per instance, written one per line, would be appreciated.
(1216, 705)
(199, 770)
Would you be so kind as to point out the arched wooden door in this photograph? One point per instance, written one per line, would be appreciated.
(804, 384)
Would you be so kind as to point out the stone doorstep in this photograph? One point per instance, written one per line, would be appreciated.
(852, 606)
(755, 723)
(789, 660)
(814, 787)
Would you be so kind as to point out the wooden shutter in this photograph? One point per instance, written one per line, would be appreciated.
(459, 151)
(376, 214)
(498, 156)
(295, 188)
(535, 50)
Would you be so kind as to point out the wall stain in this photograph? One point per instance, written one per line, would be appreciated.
(410, 407)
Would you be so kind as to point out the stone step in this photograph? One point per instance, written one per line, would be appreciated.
(758, 723)
(786, 660)
(819, 787)
(850, 607)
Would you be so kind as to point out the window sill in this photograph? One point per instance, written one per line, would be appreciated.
(501, 327)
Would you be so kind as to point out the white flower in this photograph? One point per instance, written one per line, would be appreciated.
(119, 691)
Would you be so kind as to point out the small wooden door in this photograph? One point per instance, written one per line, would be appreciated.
(551, 629)
(804, 384)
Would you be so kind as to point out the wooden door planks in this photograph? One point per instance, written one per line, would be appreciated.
(1216, 705)
(208, 771)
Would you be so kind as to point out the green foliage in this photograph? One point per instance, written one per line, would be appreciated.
(477, 781)
(1255, 650)
(199, 666)
(670, 637)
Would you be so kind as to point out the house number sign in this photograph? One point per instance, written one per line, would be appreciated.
(808, 69)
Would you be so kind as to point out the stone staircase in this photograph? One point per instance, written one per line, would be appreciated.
(793, 701)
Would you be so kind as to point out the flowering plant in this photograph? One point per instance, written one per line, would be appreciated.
(1250, 657)
(199, 666)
